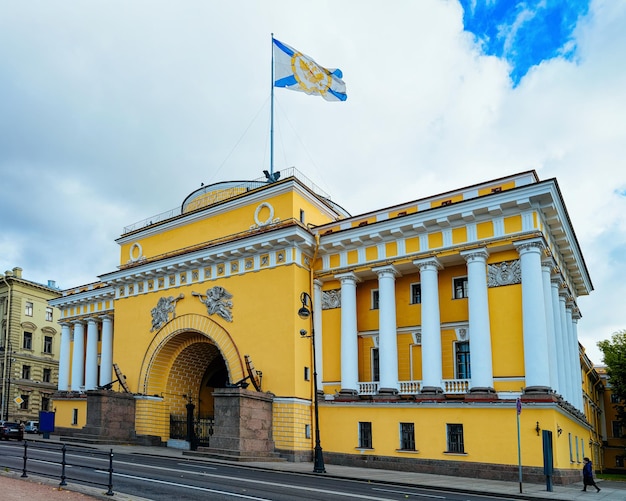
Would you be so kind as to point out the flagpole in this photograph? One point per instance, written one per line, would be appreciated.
(272, 116)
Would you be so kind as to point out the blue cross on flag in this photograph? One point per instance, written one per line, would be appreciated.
(296, 71)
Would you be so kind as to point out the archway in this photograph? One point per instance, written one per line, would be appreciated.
(186, 361)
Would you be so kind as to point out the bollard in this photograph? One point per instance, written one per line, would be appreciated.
(25, 458)
(63, 482)
(110, 491)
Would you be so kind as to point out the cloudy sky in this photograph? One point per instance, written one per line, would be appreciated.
(114, 111)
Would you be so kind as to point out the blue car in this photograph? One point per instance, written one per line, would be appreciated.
(12, 430)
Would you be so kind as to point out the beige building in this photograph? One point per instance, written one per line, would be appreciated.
(29, 346)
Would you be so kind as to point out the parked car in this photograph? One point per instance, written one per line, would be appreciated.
(32, 427)
(12, 430)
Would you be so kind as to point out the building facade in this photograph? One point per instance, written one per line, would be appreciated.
(437, 324)
(613, 433)
(29, 346)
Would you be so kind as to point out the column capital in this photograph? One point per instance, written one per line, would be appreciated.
(318, 283)
(78, 322)
(480, 254)
(535, 245)
(428, 262)
(348, 277)
(106, 317)
(387, 269)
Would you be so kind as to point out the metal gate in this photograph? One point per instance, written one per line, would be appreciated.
(202, 432)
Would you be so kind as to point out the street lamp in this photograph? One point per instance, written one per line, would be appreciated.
(304, 313)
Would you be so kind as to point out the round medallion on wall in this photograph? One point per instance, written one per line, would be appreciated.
(261, 209)
(136, 252)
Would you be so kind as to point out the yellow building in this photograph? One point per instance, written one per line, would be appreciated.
(612, 432)
(29, 346)
(430, 321)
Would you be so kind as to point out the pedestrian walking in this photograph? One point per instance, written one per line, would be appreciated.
(588, 475)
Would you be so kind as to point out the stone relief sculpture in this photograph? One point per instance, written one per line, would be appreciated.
(504, 273)
(217, 301)
(161, 312)
(331, 299)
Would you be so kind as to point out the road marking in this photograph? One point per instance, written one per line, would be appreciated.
(259, 482)
(409, 493)
(204, 489)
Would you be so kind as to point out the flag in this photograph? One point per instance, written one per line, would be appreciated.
(296, 71)
(519, 406)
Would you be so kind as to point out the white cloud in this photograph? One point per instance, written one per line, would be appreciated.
(116, 111)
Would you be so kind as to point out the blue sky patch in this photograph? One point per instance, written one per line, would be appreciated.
(524, 33)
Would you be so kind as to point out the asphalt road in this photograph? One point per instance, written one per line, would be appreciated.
(164, 478)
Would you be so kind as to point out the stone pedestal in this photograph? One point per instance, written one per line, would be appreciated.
(243, 422)
(110, 415)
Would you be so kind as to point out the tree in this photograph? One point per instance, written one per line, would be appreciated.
(614, 351)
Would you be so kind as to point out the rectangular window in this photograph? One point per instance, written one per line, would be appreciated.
(74, 416)
(375, 365)
(455, 438)
(365, 435)
(307, 431)
(569, 440)
(614, 398)
(28, 341)
(45, 403)
(48, 314)
(47, 376)
(459, 287)
(463, 370)
(416, 293)
(307, 374)
(375, 299)
(577, 453)
(28, 310)
(47, 344)
(302, 216)
(617, 429)
(407, 436)
(25, 371)
(24, 404)
(619, 461)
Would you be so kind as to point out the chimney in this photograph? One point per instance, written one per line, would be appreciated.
(17, 272)
(52, 284)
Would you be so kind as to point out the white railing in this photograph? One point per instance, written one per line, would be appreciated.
(368, 388)
(410, 387)
(456, 385)
(452, 386)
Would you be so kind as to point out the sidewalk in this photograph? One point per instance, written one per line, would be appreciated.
(611, 491)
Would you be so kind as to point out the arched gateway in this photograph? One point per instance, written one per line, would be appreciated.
(188, 359)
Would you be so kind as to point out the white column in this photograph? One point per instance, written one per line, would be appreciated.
(387, 334)
(431, 325)
(91, 355)
(574, 359)
(349, 333)
(64, 358)
(567, 349)
(78, 357)
(106, 351)
(317, 323)
(479, 325)
(534, 316)
(546, 270)
(555, 285)
(579, 381)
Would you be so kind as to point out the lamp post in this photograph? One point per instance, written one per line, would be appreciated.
(304, 313)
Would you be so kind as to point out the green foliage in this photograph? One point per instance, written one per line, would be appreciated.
(614, 351)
